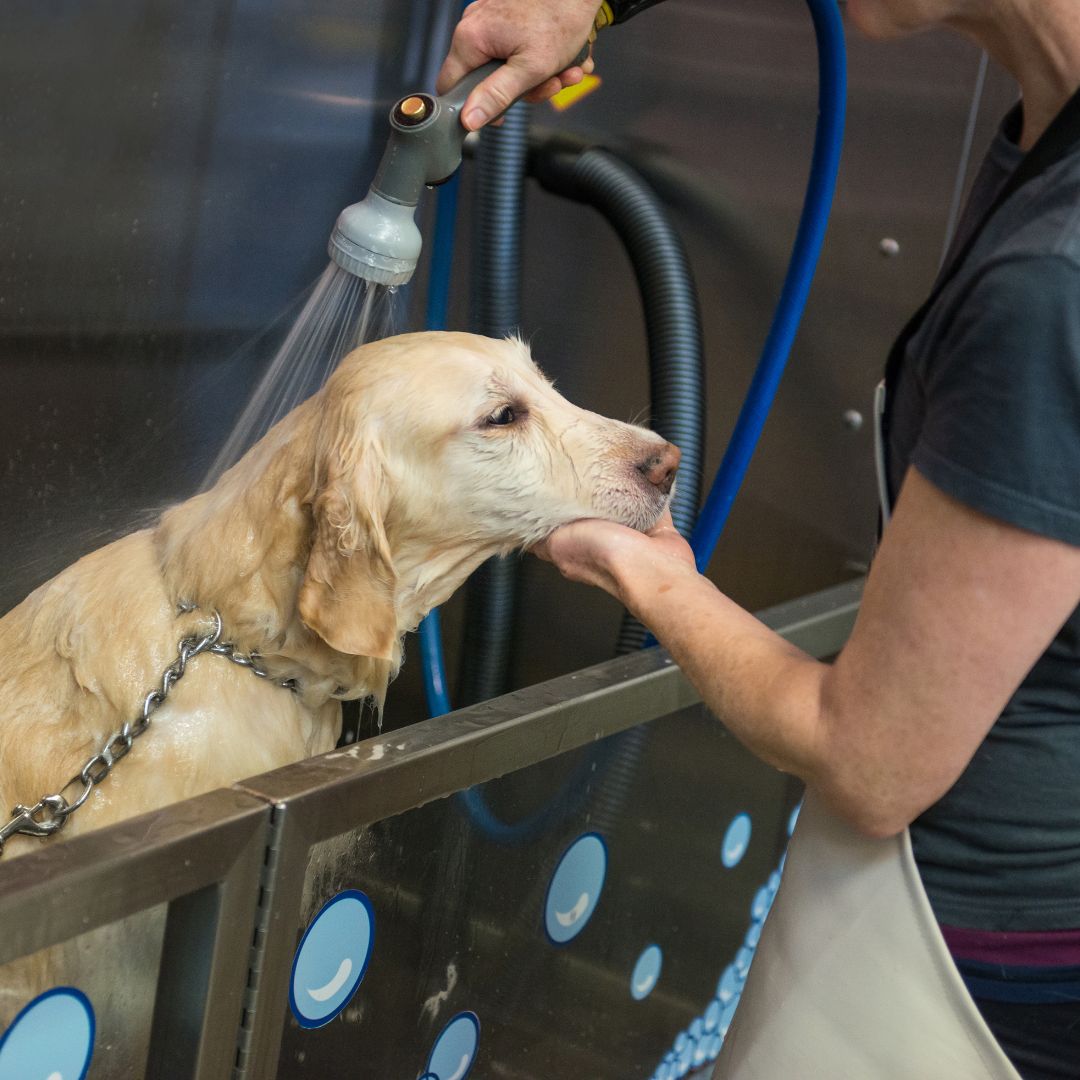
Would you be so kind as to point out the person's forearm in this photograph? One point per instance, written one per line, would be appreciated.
(766, 691)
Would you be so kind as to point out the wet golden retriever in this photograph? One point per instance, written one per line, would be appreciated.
(359, 512)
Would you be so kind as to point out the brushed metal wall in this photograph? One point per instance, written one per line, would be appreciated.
(169, 173)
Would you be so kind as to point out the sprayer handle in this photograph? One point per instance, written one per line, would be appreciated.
(455, 97)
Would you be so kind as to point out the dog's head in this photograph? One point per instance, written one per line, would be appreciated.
(437, 450)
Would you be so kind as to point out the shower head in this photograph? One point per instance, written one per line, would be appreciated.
(377, 238)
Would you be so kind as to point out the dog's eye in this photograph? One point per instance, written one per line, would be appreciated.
(502, 417)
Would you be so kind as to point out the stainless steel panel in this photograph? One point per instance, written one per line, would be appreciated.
(459, 919)
(119, 983)
(167, 899)
(186, 898)
(169, 174)
(450, 885)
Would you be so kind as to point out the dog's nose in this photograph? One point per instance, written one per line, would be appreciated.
(660, 466)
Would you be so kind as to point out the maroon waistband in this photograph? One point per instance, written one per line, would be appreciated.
(1031, 948)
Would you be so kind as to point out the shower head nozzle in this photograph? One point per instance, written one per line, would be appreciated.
(376, 239)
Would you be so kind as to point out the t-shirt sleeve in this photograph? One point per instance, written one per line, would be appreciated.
(1002, 426)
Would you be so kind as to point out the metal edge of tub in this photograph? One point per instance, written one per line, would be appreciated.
(204, 859)
(378, 778)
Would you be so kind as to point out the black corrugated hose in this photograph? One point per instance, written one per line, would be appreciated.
(491, 597)
(676, 377)
(669, 299)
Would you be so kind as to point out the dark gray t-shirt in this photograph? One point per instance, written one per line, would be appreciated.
(986, 406)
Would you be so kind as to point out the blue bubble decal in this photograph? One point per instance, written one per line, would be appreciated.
(729, 985)
(701, 1051)
(743, 959)
(646, 973)
(714, 1047)
(686, 1057)
(575, 888)
(729, 1013)
(702, 1041)
(52, 1038)
(332, 958)
(736, 841)
(762, 902)
(712, 1016)
(454, 1051)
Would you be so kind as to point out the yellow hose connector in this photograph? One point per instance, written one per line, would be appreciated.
(604, 17)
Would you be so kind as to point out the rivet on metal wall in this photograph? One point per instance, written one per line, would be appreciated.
(853, 419)
(889, 247)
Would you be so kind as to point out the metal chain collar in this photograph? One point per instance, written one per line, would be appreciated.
(49, 814)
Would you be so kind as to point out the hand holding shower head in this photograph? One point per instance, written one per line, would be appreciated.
(377, 238)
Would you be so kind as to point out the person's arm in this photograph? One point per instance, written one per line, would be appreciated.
(958, 607)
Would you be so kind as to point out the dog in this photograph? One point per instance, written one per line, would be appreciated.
(363, 509)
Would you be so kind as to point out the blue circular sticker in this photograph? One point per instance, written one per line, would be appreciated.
(686, 1056)
(646, 973)
(454, 1051)
(575, 888)
(736, 841)
(726, 1017)
(714, 1047)
(712, 1016)
(52, 1038)
(332, 958)
(729, 985)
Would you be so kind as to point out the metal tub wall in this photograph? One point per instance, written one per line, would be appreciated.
(345, 916)
(138, 937)
(572, 967)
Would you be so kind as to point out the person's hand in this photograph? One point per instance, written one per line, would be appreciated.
(538, 39)
(614, 558)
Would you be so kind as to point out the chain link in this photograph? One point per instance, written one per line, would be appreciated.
(49, 814)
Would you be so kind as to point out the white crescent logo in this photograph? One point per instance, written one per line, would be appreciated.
(568, 918)
(324, 993)
(462, 1069)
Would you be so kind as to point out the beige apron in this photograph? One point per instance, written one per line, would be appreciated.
(852, 979)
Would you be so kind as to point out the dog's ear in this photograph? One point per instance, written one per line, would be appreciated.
(348, 593)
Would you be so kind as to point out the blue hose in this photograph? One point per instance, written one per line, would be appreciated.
(828, 140)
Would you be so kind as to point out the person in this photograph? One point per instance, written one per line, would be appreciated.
(954, 709)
